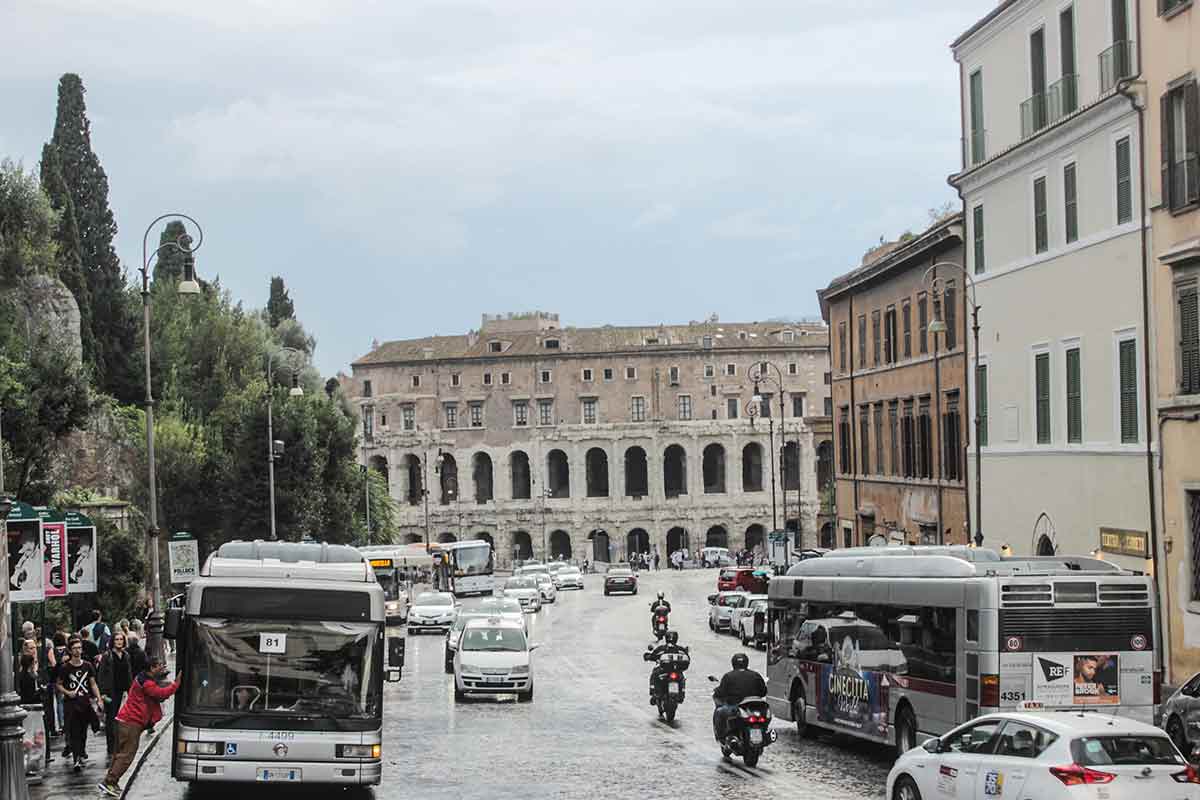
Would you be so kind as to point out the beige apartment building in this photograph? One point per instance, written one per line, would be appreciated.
(1169, 65)
(598, 442)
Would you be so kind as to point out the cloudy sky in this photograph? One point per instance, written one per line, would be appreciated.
(409, 164)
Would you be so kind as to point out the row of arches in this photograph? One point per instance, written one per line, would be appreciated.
(596, 473)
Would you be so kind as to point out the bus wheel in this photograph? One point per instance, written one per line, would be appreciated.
(799, 707)
(906, 731)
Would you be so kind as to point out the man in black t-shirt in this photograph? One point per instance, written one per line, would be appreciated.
(77, 686)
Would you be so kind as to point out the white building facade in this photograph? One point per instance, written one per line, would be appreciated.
(1054, 219)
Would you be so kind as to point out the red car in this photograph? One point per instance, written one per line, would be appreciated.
(731, 579)
(620, 579)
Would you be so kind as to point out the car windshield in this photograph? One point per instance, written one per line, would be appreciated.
(758, 605)
(1131, 749)
(728, 574)
(520, 583)
(569, 571)
(433, 599)
(620, 572)
(462, 621)
(501, 605)
(300, 669)
(493, 639)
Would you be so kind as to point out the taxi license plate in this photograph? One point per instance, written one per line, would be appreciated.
(756, 736)
(493, 679)
(280, 775)
(673, 688)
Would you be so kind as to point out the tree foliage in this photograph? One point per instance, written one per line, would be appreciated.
(27, 226)
(279, 305)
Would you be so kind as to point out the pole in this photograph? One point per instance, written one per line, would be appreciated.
(271, 455)
(774, 513)
(12, 754)
(937, 413)
(154, 641)
(783, 457)
(978, 422)
(425, 492)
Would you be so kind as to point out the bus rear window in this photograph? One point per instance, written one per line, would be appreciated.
(285, 604)
(1133, 749)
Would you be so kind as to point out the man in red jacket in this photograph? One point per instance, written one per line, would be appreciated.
(142, 709)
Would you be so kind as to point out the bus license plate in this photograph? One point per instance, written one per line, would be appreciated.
(756, 736)
(274, 775)
(673, 688)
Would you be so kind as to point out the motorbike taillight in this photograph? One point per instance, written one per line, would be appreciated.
(674, 676)
(662, 619)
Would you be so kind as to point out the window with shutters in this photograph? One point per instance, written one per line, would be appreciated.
(731, 408)
(894, 436)
(875, 336)
(1188, 314)
(862, 340)
(798, 399)
(1193, 511)
(1127, 374)
(1041, 232)
(1124, 158)
(1070, 204)
(1180, 146)
(828, 406)
(1041, 370)
(978, 134)
(1064, 95)
(844, 441)
(637, 409)
(842, 345)
(924, 439)
(951, 438)
(906, 315)
(977, 240)
(908, 440)
(923, 322)
(878, 420)
(673, 375)
(889, 335)
(981, 402)
(864, 439)
(1074, 397)
(950, 299)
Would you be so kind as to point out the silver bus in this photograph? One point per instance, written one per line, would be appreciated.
(281, 647)
(893, 644)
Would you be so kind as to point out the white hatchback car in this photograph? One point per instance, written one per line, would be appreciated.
(1046, 756)
(493, 657)
(568, 578)
(524, 589)
(721, 607)
(541, 574)
(747, 609)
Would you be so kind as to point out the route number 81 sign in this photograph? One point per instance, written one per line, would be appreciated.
(272, 643)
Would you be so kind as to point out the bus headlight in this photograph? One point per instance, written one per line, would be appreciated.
(200, 748)
(359, 750)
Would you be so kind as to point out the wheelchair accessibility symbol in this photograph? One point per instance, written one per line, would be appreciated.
(231, 748)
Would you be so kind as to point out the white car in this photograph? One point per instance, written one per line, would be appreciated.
(505, 608)
(523, 589)
(455, 633)
(493, 657)
(745, 624)
(717, 557)
(432, 611)
(741, 612)
(541, 573)
(1046, 756)
(721, 606)
(568, 578)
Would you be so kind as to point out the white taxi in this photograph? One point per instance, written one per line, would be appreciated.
(523, 589)
(493, 657)
(1046, 755)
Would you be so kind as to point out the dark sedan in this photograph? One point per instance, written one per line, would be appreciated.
(620, 579)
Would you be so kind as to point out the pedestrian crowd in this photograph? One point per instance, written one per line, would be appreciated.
(98, 677)
(640, 561)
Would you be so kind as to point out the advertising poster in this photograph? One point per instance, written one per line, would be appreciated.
(25, 569)
(1077, 679)
(81, 554)
(184, 555)
(54, 552)
(851, 697)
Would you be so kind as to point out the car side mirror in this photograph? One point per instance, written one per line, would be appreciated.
(172, 623)
(533, 647)
(395, 652)
(932, 746)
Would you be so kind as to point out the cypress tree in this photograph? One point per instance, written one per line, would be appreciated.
(279, 305)
(67, 239)
(169, 264)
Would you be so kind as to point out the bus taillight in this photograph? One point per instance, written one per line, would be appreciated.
(989, 691)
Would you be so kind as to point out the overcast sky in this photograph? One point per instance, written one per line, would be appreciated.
(409, 164)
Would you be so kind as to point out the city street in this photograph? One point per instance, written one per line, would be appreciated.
(590, 730)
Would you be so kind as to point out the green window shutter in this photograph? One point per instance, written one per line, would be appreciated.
(1191, 130)
(1189, 341)
(1074, 398)
(1071, 203)
(951, 300)
(1129, 399)
(978, 139)
(1042, 374)
(1124, 182)
(977, 234)
(981, 402)
(1041, 233)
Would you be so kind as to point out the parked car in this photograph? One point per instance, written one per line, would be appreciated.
(620, 579)
(721, 606)
(749, 579)
(751, 625)
(735, 616)
(1181, 716)
(1048, 756)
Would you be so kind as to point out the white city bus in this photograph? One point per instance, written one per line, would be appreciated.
(397, 568)
(281, 649)
(890, 644)
(465, 567)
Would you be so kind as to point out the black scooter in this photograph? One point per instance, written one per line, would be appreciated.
(668, 685)
(658, 621)
(748, 732)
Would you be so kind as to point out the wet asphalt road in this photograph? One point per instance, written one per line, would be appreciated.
(590, 731)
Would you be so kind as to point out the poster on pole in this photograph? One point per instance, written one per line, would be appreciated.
(81, 554)
(54, 552)
(25, 570)
(184, 555)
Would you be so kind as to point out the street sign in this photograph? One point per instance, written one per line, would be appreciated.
(184, 556)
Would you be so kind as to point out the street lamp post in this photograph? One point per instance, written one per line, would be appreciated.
(188, 286)
(12, 754)
(752, 411)
(295, 391)
(758, 375)
(938, 325)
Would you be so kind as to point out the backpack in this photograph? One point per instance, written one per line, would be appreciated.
(101, 635)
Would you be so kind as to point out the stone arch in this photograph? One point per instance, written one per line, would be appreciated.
(518, 469)
(824, 465)
(596, 471)
(716, 536)
(447, 478)
(558, 474)
(446, 537)
(828, 536)
(413, 538)
(416, 479)
(677, 539)
(487, 537)
(752, 467)
(791, 466)
(675, 471)
(601, 547)
(522, 545)
(637, 473)
(755, 536)
(637, 541)
(481, 474)
(560, 545)
(1045, 538)
(713, 469)
(380, 464)
(1045, 547)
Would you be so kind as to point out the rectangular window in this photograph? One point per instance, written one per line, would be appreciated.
(451, 415)
(977, 240)
(731, 408)
(828, 378)
(1037, 79)
(798, 404)
(950, 299)
(416, 381)
(894, 436)
(631, 373)
(1181, 146)
(889, 335)
(545, 412)
(844, 465)
(981, 402)
(829, 406)
(906, 314)
(589, 411)
(1127, 357)
(520, 413)
(978, 138)
(1074, 398)
(864, 440)
(951, 439)
(505, 378)
(706, 342)
(731, 370)
(923, 322)
(1124, 181)
(862, 340)
(476, 415)
(842, 346)
(368, 422)
(683, 405)
(637, 409)
(1189, 338)
(875, 336)
(408, 417)
(1041, 233)
(908, 440)
(587, 376)
(710, 370)
(383, 420)
(924, 440)
(495, 347)
(1193, 508)
(455, 379)
(878, 425)
(1067, 97)
(551, 344)
(546, 376)
(793, 368)
(673, 374)
(1070, 204)
(487, 379)
(366, 389)
(1041, 368)
(608, 373)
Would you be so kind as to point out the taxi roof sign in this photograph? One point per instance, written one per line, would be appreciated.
(1031, 705)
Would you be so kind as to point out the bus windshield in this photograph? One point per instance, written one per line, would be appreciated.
(389, 581)
(283, 669)
(474, 560)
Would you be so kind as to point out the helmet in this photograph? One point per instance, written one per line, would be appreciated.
(660, 595)
(672, 637)
(740, 661)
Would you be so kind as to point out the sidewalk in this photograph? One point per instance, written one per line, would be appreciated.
(62, 782)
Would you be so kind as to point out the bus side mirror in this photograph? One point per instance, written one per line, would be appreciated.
(171, 624)
(395, 645)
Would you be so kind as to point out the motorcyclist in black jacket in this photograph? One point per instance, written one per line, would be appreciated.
(735, 686)
(670, 645)
(660, 602)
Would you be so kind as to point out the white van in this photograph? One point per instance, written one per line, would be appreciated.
(717, 557)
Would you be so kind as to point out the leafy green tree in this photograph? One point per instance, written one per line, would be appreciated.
(279, 305)
(383, 511)
(120, 565)
(27, 225)
(168, 266)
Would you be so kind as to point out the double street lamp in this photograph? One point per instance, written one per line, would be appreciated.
(758, 375)
(188, 286)
(274, 449)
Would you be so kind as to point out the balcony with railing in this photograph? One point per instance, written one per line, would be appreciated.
(1116, 63)
(1062, 98)
(1034, 115)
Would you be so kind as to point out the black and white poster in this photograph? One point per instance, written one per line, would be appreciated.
(81, 556)
(25, 569)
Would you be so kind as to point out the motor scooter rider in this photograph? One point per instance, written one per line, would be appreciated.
(735, 686)
(660, 602)
(670, 645)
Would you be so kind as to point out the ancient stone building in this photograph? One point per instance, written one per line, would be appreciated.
(598, 442)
